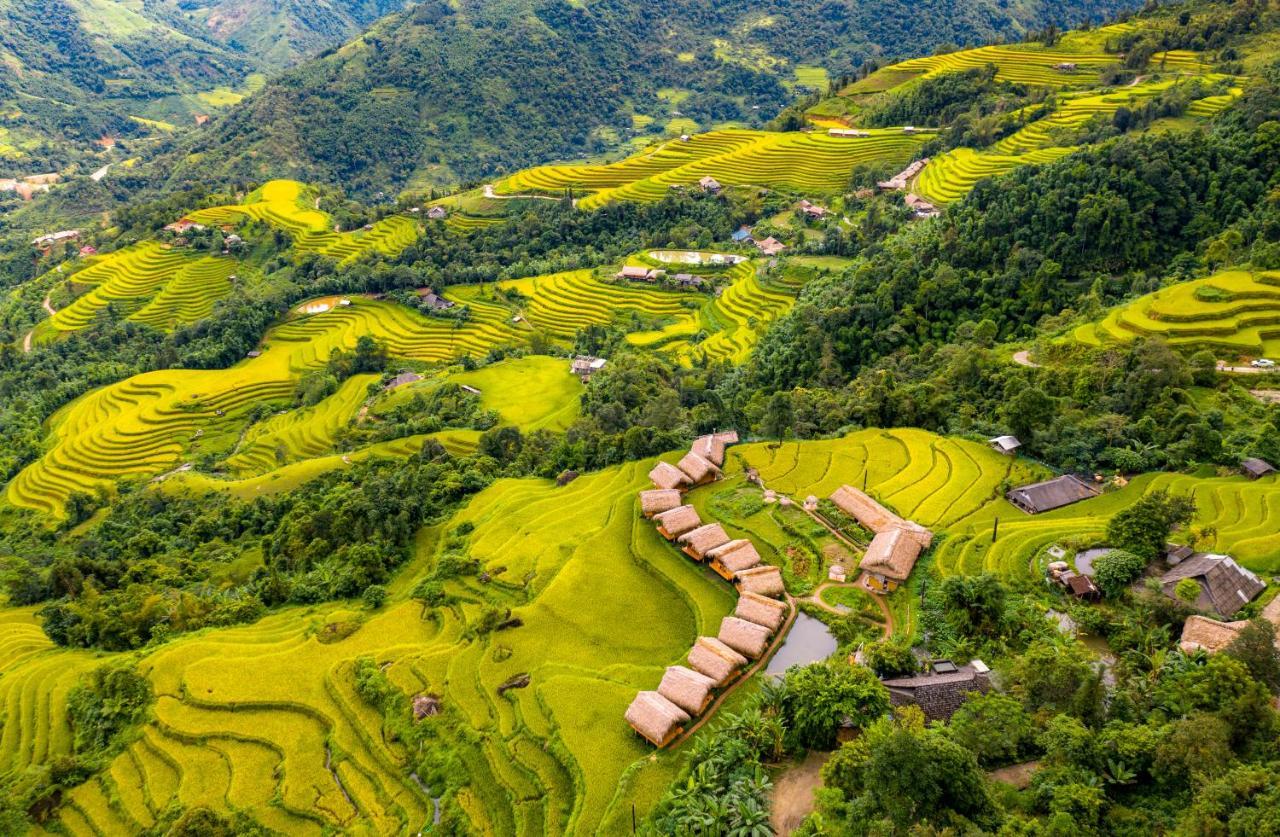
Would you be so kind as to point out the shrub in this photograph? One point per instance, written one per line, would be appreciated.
(102, 708)
(1116, 570)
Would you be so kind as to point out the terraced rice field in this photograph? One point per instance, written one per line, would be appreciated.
(148, 424)
(605, 605)
(951, 176)
(283, 204)
(532, 393)
(1235, 313)
(562, 303)
(161, 287)
(1017, 63)
(811, 162)
(953, 487)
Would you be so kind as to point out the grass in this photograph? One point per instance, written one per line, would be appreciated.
(532, 393)
(816, 163)
(1234, 313)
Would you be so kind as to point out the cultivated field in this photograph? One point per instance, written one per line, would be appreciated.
(1234, 313)
(952, 175)
(815, 163)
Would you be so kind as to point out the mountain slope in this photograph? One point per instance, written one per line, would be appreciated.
(454, 91)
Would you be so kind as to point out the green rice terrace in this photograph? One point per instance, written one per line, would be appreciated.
(810, 162)
(1235, 313)
(599, 605)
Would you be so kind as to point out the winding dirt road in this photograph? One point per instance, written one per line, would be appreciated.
(48, 307)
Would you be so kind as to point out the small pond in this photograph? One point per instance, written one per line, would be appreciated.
(808, 642)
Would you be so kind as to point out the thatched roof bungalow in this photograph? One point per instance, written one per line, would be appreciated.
(747, 638)
(687, 689)
(656, 718)
(699, 469)
(666, 475)
(716, 660)
(891, 556)
(764, 580)
(702, 540)
(734, 557)
(676, 522)
(761, 610)
(1200, 633)
(658, 500)
(862, 508)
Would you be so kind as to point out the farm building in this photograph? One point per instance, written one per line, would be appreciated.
(666, 475)
(1225, 586)
(921, 207)
(88, 250)
(698, 542)
(762, 610)
(890, 558)
(716, 660)
(1081, 586)
(402, 379)
(182, 226)
(1065, 67)
(940, 692)
(875, 517)
(764, 580)
(688, 689)
(770, 246)
(656, 718)
(812, 210)
(1200, 633)
(747, 638)
(584, 366)
(1177, 553)
(433, 300)
(1005, 444)
(850, 133)
(742, 235)
(709, 184)
(899, 181)
(700, 469)
(46, 241)
(658, 500)
(437, 213)
(1051, 494)
(688, 280)
(634, 273)
(1256, 468)
(733, 557)
(676, 522)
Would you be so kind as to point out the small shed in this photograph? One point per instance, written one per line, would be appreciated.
(742, 235)
(633, 273)
(747, 638)
(584, 366)
(765, 580)
(709, 184)
(656, 718)
(1051, 494)
(437, 213)
(698, 542)
(700, 469)
(666, 475)
(1255, 468)
(1005, 444)
(941, 691)
(733, 557)
(762, 610)
(1082, 587)
(688, 689)
(676, 522)
(716, 660)
(890, 558)
(658, 500)
(770, 246)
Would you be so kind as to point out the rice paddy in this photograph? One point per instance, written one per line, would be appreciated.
(1234, 313)
(952, 175)
(283, 204)
(809, 162)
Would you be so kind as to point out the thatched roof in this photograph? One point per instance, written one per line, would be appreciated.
(745, 637)
(736, 555)
(686, 688)
(678, 521)
(716, 660)
(762, 610)
(704, 538)
(659, 500)
(698, 468)
(764, 580)
(711, 448)
(892, 554)
(666, 475)
(862, 508)
(655, 717)
(1201, 632)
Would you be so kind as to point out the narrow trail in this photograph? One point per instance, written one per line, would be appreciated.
(48, 306)
(815, 598)
(51, 311)
(744, 677)
(1023, 358)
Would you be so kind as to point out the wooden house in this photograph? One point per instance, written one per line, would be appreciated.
(658, 500)
(747, 638)
(698, 542)
(761, 610)
(716, 660)
(764, 580)
(733, 557)
(678, 521)
(666, 475)
(688, 689)
(656, 718)
(699, 469)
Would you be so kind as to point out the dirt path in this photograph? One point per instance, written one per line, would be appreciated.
(489, 193)
(48, 306)
(1018, 775)
(792, 798)
(51, 311)
(1266, 396)
(815, 598)
(1245, 370)
(1023, 358)
(746, 675)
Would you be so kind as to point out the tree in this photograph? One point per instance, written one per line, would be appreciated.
(974, 605)
(1255, 646)
(1144, 527)
(1187, 590)
(890, 658)
(1245, 800)
(104, 705)
(822, 696)
(994, 727)
(902, 772)
(1116, 570)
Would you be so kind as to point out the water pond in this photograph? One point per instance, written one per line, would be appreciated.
(809, 641)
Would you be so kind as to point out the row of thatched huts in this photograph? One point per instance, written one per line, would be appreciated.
(686, 691)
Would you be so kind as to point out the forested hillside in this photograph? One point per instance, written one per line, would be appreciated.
(457, 91)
